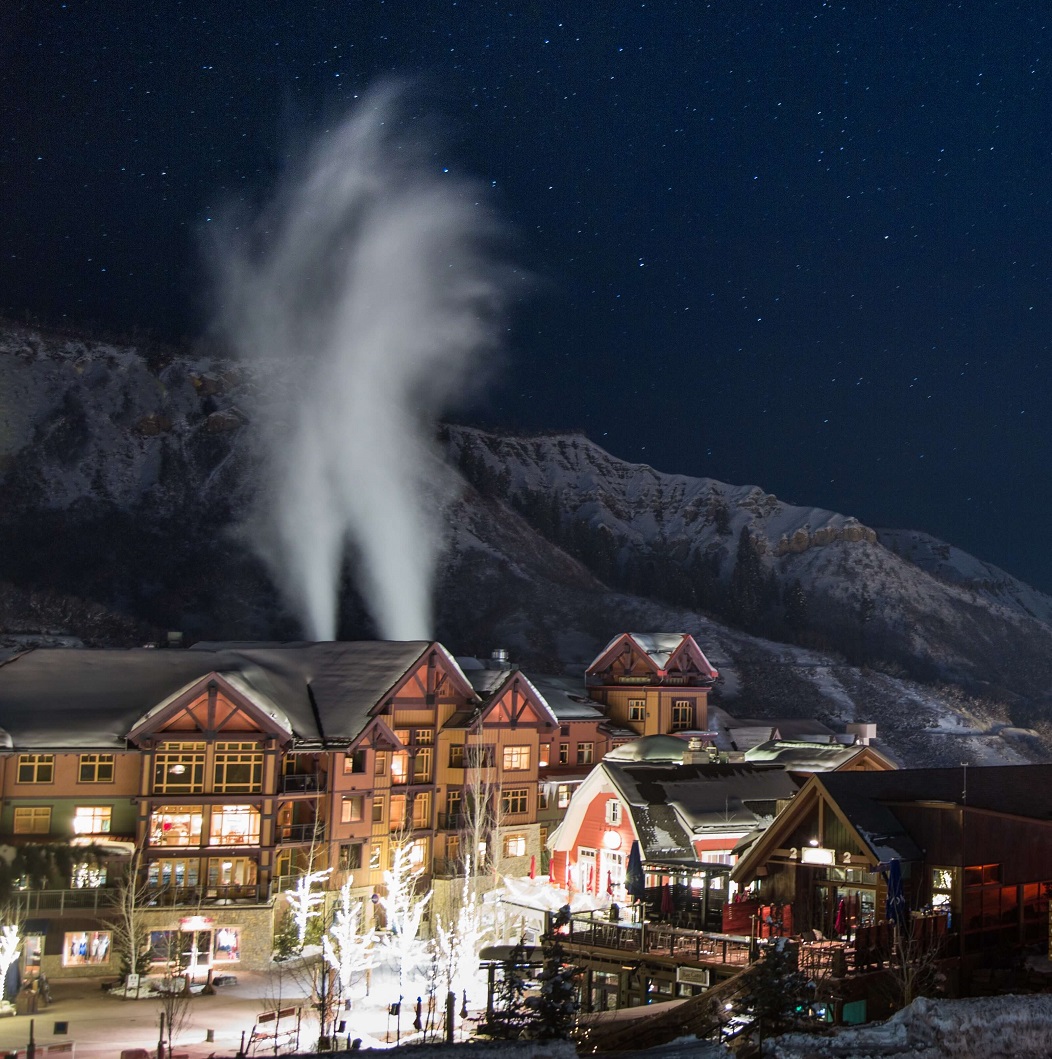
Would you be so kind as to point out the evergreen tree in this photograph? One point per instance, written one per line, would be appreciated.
(554, 1008)
(509, 1018)
(774, 989)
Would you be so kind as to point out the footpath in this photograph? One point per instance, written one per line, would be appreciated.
(100, 1025)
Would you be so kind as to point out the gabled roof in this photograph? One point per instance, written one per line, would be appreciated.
(801, 756)
(512, 682)
(867, 802)
(56, 698)
(670, 805)
(660, 650)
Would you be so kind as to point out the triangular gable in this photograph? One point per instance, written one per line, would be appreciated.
(689, 658)
(598, 781)
(212, 707)
(786, 823)
(376, 735)
(624, 657)
(435, 675)
(518, 704)
(643, 654)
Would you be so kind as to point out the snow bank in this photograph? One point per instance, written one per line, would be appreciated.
(990, 1027)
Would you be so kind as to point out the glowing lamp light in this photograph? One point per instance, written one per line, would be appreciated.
(612, 839)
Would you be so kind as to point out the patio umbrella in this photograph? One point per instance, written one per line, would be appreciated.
(533, 866)
(551, 869)
(667, 905)
(895, 908)
(635, 880)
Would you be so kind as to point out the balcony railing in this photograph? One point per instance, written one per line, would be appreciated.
(100, 899)
(244, 893)
(303, 782)
(301, 832)
(452, 821)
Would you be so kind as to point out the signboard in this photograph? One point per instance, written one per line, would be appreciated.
(132, 983)
(693, 975)
(817, 855)
(190, 923)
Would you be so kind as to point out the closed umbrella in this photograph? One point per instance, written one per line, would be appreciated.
(667, 906)
(533, 866)
(609, 884)
(895, 908)
(635, 880)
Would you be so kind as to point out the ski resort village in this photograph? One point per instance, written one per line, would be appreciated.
(463, 849)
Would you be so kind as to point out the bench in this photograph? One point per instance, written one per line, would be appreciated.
(268, 1027)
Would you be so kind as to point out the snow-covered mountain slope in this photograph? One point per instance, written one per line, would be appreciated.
(124, 471)
(803, 574)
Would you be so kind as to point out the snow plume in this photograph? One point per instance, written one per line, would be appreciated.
(368, 299)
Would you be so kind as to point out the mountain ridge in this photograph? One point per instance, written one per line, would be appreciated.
(125, 475)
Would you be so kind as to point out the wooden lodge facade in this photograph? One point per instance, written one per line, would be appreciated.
(973, 847)
(227, 769)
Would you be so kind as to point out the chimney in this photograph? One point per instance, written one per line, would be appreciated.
(864, 733)
(499, 659)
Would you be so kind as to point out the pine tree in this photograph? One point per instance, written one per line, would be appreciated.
(774, 989)
(554, 1008)
(509, 1018)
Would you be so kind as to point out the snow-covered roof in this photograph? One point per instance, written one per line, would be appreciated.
(66, 697)
(804, 756)
(567, 699)
(668, 749)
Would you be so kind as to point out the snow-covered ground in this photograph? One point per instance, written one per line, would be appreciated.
(984, 1028)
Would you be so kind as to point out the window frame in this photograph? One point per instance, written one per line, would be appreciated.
(34, 815)
(516, 758)
(35, 768)
(96, 763)
(511, 798)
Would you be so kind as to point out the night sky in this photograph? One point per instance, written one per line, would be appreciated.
(803, 245)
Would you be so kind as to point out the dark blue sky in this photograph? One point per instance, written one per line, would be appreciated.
(802, 245)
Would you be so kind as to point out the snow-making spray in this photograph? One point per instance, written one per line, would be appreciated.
(367, 298)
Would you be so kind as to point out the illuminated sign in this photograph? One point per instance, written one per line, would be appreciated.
(817, 855)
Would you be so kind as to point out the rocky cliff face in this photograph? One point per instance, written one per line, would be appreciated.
(124, 473)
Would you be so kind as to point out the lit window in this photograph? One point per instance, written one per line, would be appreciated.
(682, 714)
(514, 845)
(351, 811)
(238, 768)
(81, 948)
(33, 820)
(422, 765)
(36, 768)
(422, 809)
(562, 795)
(418, 852)
(92, 819)
(400, 767)
(637, 709)
(96, 768)
(564, 753)
(516, 758)
(613, 811)
(234, 825)
(424, 736)
(179, 768)
(87, 876)
(228, 944)
(397, 811)
(176, 825)
(584, 753)
(543, 754)
(514, 800)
